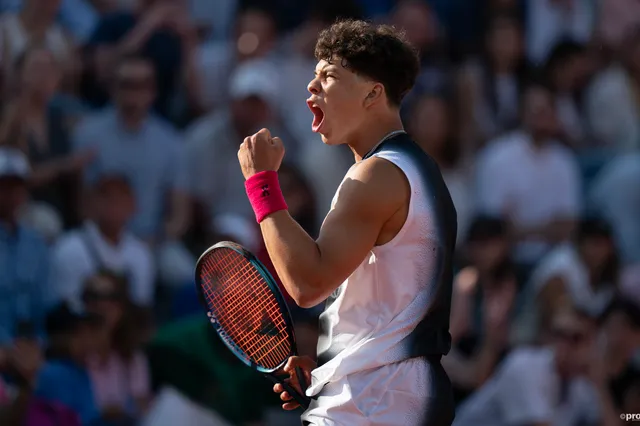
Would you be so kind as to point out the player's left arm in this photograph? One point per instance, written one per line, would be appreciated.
(373, 192)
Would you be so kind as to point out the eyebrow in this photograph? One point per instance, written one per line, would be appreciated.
(325, 69)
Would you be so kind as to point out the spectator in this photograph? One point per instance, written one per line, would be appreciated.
(118, 369)
(159, 30)
(615, 372)
(41, 129)
(216, 181)
(528, 177)
(482, 306)
(131, 141)
(440, 138)
(490, 88)
(64, 377)
(423, 31)
(616, 19)
(255, 37)
(568, 70)
(103, 244)
(24, 256)
(549, 21)
(540, 385)
(614, 195)
(582, 274)
(610, 102)
(35, 25)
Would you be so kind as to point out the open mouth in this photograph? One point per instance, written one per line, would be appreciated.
(318, 116)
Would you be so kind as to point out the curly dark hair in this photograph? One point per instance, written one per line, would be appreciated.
(377, 52)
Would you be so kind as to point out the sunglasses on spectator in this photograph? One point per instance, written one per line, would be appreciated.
(102, 296)
(133, 84)
(572, 336)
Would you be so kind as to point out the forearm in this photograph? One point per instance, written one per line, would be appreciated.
(296, 257)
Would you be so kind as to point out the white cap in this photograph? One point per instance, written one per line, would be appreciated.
(255, 77)
(13, 163)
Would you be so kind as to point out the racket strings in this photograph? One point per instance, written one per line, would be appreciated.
(248, 312)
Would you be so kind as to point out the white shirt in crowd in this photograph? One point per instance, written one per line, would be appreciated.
(562, 262)
(526, 390)
(530, 185)
(549, 21)
(615, 195)
(74, 263)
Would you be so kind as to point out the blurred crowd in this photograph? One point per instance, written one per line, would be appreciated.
(119, 128)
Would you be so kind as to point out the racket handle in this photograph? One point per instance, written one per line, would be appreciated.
(303, 400)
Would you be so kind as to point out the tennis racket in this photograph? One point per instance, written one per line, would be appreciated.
(248, 311)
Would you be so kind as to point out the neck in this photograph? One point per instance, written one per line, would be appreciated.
(33, 21)
(132, 121)
(372, 133)
(35, 105)
(8, 222)
(113, 236)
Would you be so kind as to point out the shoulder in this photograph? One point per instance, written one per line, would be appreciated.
(137, 248)
(503, 149)
(33, 238)
(164, 129)
(201, 131)
(374, 186)
(69, 244)
(527, 362)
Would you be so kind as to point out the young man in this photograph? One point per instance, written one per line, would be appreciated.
(383, 257)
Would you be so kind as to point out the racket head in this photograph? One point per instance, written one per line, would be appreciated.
(238, 293)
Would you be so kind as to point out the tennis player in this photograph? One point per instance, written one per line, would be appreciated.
(383, 259)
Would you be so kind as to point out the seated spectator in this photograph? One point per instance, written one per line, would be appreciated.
(434, 126)
(482, 307)
(568, 69)
(550, 21)
(582, 274)
(610, 102)
(131, 141)
(614, 195)
(35, 24)
(64, 377)
(212, 143)
(255, 36)
(490, 87)
(423, 30)
(42, 129)
(103, 244)
(616, 18)
(541, 385)
(24, 256)
(118, 369)
(617, 374)
(162, 32)
(531, 179)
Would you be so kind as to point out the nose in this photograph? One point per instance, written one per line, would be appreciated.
(314, 86)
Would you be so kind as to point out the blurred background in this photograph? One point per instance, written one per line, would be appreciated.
(120, 122)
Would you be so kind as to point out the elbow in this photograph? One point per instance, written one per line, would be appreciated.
(305, 300)
(307, 296)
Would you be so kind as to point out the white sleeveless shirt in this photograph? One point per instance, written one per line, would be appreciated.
(368, 320)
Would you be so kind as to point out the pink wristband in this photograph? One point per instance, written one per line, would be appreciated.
(265, 196)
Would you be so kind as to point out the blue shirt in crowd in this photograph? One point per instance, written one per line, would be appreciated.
(64, 382)
(24, 274)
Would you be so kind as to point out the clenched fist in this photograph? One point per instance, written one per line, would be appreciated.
(259, 153)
